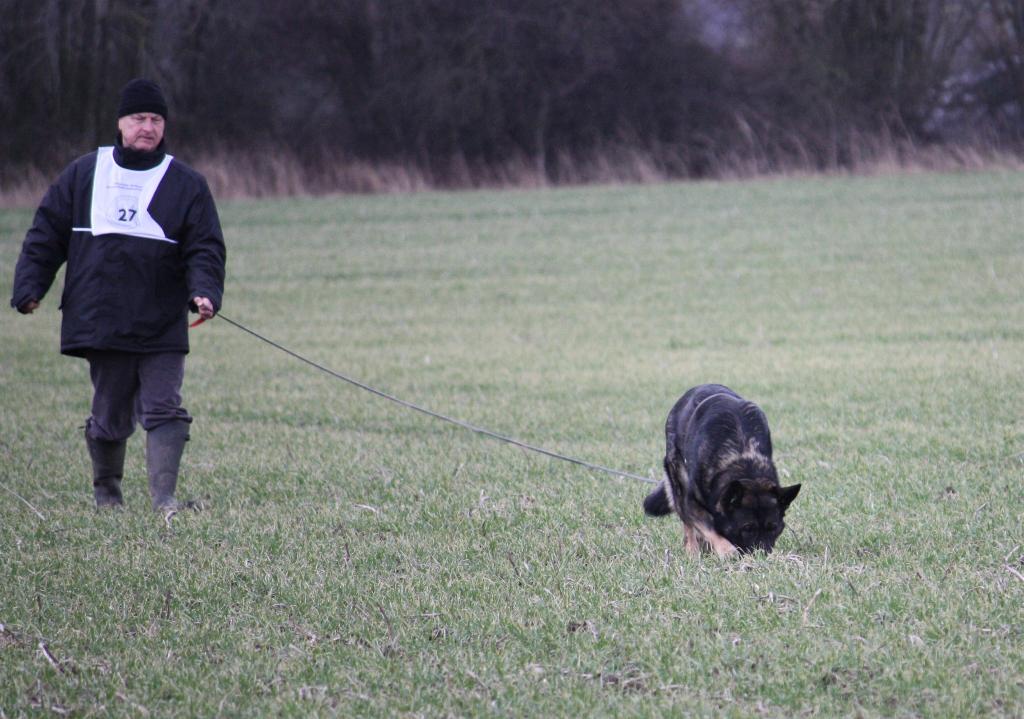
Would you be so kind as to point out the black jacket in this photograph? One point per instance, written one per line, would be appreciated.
(121, 293)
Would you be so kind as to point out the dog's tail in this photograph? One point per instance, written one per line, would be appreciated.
(656, 504)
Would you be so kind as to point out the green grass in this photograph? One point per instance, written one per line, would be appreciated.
(357, 559)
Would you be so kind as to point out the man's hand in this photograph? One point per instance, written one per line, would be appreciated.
(204, 307)
(30, 307)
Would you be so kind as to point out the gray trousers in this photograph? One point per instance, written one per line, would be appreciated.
(129, 387)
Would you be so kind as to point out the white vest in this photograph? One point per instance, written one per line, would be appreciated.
(121, 197)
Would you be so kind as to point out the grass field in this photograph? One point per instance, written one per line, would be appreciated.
(353, 558)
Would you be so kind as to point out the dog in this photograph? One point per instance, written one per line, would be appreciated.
(719, 475)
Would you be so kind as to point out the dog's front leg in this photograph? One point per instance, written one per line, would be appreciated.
(722, 546)
(698, 523)
(692, 543)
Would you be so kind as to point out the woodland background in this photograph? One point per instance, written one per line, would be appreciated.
(274, 97)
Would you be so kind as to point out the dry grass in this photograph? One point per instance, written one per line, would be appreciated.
(261, 174)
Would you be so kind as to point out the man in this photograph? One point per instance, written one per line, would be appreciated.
(143, 244)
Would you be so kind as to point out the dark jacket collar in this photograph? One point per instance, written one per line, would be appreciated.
(131, 159)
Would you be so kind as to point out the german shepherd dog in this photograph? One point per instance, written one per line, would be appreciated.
(719, 474)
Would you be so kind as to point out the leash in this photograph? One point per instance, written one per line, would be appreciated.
(429, 412)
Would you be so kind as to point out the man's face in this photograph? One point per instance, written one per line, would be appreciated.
(141, 131)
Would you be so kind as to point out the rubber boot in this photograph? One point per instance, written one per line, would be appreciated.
(107, 469)
(164, 445)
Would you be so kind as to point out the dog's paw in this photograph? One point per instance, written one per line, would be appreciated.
(726, 550)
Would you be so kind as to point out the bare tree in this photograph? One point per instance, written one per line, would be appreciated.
(996, 84)
(446, 85)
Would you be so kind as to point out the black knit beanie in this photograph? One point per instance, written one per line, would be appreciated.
(142, 96)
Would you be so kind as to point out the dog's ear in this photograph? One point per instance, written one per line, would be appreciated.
(732, 496)
(787, 495)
